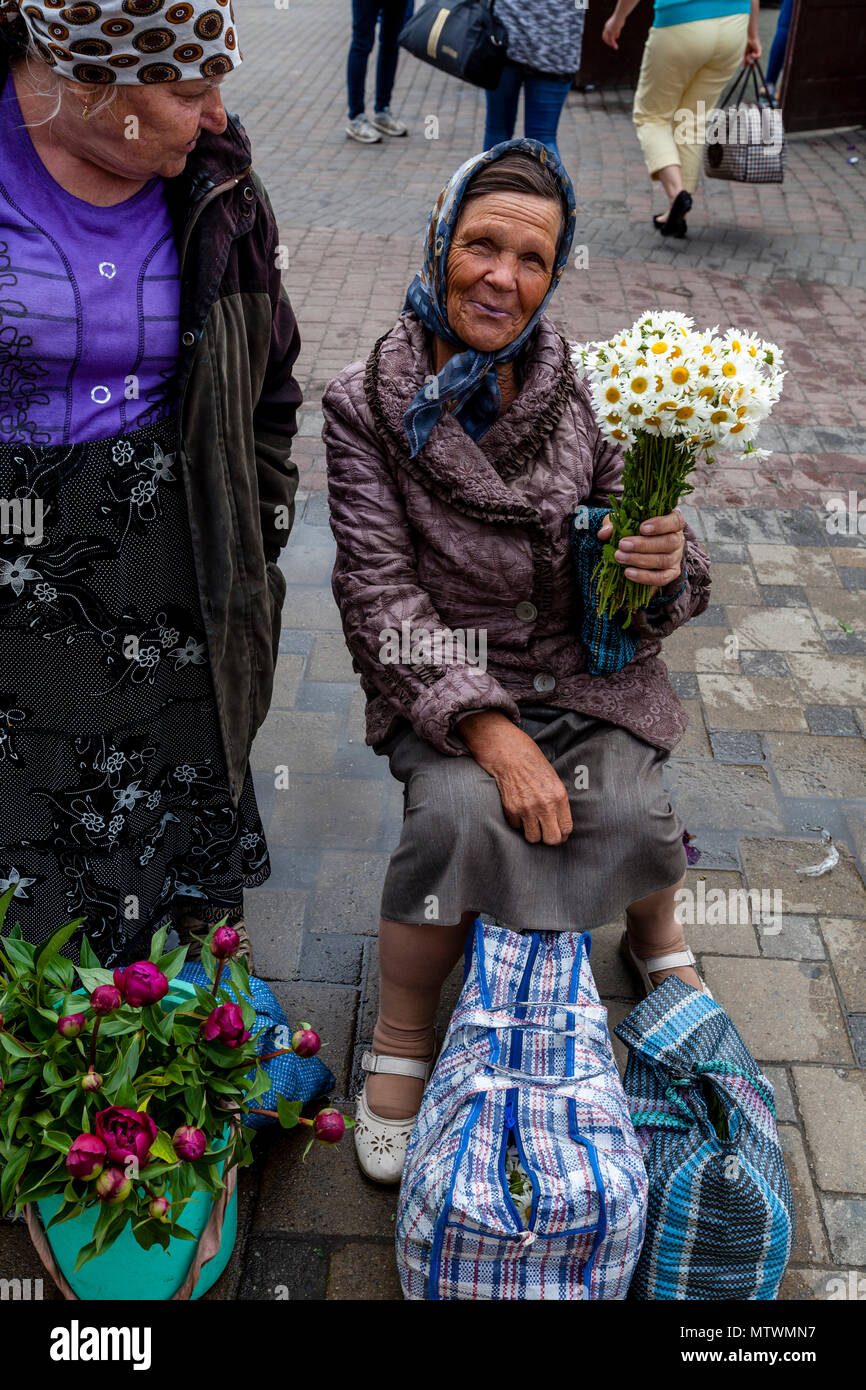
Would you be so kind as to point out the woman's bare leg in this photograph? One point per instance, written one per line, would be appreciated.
(653, 930)
(671, 180)
(414, 963)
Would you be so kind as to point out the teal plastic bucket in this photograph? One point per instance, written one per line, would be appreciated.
(126, 1272)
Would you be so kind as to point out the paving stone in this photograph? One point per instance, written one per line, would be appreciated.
(330, 659)
(287, 677)
(845, 1219)
(326, 697)
(719, 850)
(728, 798)
(791, 631)
(311, 609)
(332, 957)
(296, 739)
(810, 1242)
(846, 943)
(316, 512)
(833, 1105)
(331, 1009)
(832, 719)
(712, 923)
(844, 643)
(283, 1270)
(685, 684)
(714, 616)
(291, 640)
(775, 863)
(694, 743)
(691, 649)
(741, 703)
(308, 565)
(785, 1010)
(857, 1029)
(735, 583)
(815, 1285)
(853, 578)
(828, 680)
(778, 596)
(743, 526)
(764, 664)
(326, 1196)
(825, 767)
(804, 526)
(831, 608)
(356, 728)
(798, 565)
(853, 557)
(726, 553)
(792, 938)
(737, 748)
(275, 921)
(612, 978)
(778, 1077)
(315, 817)
(348, 892)
(364, 1272)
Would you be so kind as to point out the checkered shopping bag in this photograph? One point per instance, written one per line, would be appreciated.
(721, 1215)
(753, 148)
(528, 1062)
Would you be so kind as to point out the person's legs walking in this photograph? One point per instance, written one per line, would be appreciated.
(393, 12)
(414, 962)
(544, 99)
(364, 13)
(780, 42)
(707, 86)
(667, 68)
(502, 105)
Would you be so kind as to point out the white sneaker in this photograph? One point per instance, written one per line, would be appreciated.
(381, 1144)
(360, 129)
(388, 124)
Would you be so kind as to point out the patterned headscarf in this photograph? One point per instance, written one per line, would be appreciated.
(131, 41)
(467, 385)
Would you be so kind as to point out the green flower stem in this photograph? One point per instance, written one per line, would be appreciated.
(93, 1037)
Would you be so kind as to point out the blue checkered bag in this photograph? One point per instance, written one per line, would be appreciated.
(294, 1078)
(527, 1059)
(721, 1215)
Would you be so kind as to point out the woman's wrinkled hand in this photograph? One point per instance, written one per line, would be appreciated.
(654, 557)
(533, 797)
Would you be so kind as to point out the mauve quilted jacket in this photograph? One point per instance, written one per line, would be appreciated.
(467, 534)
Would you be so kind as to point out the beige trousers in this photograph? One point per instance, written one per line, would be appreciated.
(683, 65)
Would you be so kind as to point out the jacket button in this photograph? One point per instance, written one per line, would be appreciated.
(526, 612)
(544, 682)
(249, 193)
(188, 339)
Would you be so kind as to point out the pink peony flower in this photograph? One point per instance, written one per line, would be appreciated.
(329, 1126)
(105, 999)
(189, 1143)
(224, 942)
(226, 1025)
(125, 1133)
(141, 983)
(86, 1157)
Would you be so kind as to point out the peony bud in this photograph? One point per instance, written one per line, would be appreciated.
(159, 1208)
(86, 1157)
(189, 1143)
(329, 1126)
(105, 999)
(70, 1025)
(112, 1186)
(141, 983)
(305, 1042)
(224, 942)
(225, 1024)
(92, 1081)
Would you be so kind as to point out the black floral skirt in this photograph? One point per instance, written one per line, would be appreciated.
(114, 796)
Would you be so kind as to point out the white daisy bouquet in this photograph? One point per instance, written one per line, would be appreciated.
(668, 392)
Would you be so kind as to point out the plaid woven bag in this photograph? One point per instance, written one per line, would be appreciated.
(754, 149)
(527, 1059)
(721, 1215)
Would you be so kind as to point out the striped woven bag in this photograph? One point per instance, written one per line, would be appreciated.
(527, 1059)
(721, 1215)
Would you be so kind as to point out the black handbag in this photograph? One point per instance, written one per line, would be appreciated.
(465, 39)
(753, 149)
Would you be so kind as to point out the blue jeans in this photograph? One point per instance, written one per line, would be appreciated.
(780, 42)
(544, 98)
(365, 13)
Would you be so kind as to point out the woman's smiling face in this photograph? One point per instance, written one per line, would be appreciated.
(500, 265)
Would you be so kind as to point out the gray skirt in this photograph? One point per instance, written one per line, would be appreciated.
(457, 852)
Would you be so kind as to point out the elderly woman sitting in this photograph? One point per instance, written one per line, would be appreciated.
(533, 789)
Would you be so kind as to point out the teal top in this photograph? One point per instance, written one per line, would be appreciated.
(684, 11)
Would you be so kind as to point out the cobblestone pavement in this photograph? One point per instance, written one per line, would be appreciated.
(775, 752)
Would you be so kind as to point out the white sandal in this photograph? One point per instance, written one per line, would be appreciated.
(643, 968)
(381, 1144)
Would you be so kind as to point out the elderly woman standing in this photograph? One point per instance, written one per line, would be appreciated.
(147, 408)
(456, 456)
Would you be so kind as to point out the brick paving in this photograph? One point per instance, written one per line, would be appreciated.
(773, 675)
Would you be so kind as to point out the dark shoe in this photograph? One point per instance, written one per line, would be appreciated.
(187, 923)
(675, 225)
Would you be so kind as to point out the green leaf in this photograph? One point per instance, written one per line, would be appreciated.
(92, 977)
(20, 953)
(56, 1140)
(240, 977)
(173, 963)
(260, 1085)
(67, 1212)
(11, 1174)
(12, 1047)
(288, 1111)
(86, 1253)
(157, 945)
(181, 1233)
(162, 1148)
(54, 945)
(5, 900)
(87, 956)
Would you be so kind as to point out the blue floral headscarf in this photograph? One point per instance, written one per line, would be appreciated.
(466, 385)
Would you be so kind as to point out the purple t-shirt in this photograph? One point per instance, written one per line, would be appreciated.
(89, 303)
